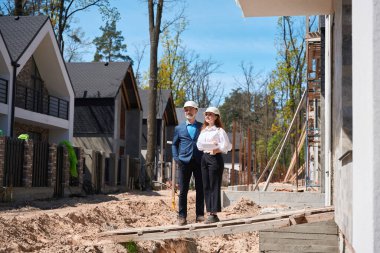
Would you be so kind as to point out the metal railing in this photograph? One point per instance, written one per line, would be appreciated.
(3, 91)
(34, 100)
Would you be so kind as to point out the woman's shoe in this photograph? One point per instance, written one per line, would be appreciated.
(212, 219)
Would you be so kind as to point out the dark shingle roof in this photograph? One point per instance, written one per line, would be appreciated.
(97, 79)
(19, 33)
(181, 115)
(162, 97)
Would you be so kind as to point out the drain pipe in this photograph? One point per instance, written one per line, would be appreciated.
(13, 96)
(328, 166)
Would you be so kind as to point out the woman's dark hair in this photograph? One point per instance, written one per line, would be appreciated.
(218, 122)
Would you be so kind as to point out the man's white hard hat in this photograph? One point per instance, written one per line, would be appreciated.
(214, 110)
(190, 104)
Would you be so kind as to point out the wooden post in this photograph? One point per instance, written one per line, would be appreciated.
(296, 163)
(173, 184)
(241, 150)
(232, 172)
(249, 157)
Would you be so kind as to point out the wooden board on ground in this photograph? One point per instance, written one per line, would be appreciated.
(308, 237)
(232, 226)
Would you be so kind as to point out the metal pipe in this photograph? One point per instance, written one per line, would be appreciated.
(13, 97)
(327, 143)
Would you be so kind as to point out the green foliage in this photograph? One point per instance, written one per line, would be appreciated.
(72, 157)
(130, 246)
(109, 46)
(173, 66)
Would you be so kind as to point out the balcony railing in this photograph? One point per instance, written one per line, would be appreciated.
(36, 101)
(3, 91)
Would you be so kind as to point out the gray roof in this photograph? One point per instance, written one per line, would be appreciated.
(97, 78)
(162, 98)
(181, 115)
(19, 32)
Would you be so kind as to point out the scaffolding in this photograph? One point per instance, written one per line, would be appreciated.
(313, 131)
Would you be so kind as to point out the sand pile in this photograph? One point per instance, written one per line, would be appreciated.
(72, 225)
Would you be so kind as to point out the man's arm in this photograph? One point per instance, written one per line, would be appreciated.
(175, 144)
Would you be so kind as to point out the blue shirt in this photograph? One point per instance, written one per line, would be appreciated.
(191, 128)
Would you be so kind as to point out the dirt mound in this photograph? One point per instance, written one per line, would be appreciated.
(243, 206)
(74, 227)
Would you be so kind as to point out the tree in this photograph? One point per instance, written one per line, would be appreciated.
(139, 54)
(155, 15)
(173, 66)
(60, 12)
(155, 10)
(109, 46)
(187, 75)
(289, 78)
(201, 88)
(76, 45)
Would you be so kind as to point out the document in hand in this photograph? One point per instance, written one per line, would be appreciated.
(209, 146)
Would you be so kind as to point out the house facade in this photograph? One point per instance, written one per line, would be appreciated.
(350, 115)
(36, 96)
(108, 111)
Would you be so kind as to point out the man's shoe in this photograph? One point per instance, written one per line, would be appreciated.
(200, 218)
(212, 219)
(181, 221)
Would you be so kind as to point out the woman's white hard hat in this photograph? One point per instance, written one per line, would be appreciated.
(190, 104)
(214, 110)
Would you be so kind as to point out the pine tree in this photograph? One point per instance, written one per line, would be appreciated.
(109, 46)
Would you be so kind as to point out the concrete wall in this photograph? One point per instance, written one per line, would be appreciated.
(291, 199)
(366, 122)
(342, 116)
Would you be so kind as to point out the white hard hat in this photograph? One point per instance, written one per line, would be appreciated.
(214, 110)
(190, 104)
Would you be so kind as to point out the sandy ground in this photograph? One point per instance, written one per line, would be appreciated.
(72, 224)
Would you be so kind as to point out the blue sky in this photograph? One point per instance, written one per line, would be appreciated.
(216, 29)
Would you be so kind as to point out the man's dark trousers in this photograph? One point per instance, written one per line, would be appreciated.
(185, 170)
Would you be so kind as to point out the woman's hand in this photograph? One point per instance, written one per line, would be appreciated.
(214, 151)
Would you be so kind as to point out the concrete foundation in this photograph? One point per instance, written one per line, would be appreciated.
(290, 199)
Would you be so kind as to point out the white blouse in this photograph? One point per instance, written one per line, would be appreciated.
(213, 138)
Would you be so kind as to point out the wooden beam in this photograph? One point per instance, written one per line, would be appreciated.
(232, 172)
(232, 226)
(300, 170)
(283, 144)
(294, 160)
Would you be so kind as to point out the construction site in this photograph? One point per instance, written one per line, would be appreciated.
(324, 200)
(259, 214)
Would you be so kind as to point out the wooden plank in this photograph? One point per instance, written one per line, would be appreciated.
(215, 231)
(301, 242)
(262, 222)
(327, 227)
(302, 235)
(270, 247)
(299, 147)
(245, 220)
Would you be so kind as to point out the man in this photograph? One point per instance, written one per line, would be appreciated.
(188, 158)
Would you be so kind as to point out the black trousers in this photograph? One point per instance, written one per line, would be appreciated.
(212, 172)
(184, 176)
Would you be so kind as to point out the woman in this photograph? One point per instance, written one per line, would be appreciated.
(213, 141)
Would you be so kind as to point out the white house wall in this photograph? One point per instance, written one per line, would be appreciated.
(53, 71)
(366, 121)
(342, 117)
(5, 72)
